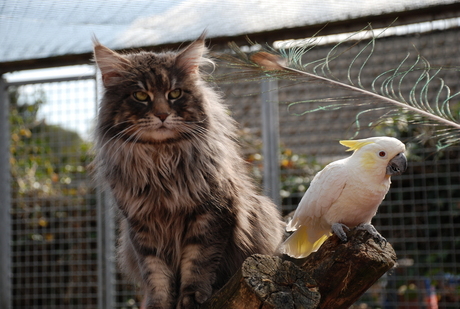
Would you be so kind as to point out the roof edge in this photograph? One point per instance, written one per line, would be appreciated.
(431, 13)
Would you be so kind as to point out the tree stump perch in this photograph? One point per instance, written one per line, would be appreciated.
(266, 282)
(333, 277)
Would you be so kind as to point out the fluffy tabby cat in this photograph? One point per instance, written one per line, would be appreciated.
(166, 151)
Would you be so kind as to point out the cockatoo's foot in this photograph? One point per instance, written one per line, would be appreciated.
(375, 234)
(337, 228)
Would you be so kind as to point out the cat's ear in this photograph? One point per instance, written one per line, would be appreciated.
(109, 62)
(191, 57)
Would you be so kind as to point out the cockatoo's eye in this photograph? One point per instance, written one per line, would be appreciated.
(382, 154)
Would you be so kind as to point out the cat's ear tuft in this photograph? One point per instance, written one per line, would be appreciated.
(109, 62)
(192, 57)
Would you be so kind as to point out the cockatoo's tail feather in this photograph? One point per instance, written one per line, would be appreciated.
(298, 244)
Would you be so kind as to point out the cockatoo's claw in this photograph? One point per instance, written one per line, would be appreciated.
(337, 228)
(375, 234)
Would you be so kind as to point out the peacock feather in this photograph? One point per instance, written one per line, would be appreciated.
(430, 101)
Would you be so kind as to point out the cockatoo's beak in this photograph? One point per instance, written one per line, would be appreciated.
(397, 165)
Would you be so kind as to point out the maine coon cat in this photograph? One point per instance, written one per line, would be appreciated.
(165, 150)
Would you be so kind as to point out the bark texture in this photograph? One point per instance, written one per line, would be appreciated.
(333, 277)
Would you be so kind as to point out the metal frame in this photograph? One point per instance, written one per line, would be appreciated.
(270, 137)
(5, 201)
(106, 258)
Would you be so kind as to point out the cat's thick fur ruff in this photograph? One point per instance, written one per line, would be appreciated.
(165, 149)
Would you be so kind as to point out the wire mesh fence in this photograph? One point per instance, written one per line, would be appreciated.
(53, 205)
(60, 240)
(420, 216)
(421, 219)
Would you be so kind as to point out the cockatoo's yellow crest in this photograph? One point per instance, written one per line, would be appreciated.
(355, 144)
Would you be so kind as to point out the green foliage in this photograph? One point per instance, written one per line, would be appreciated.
(47, 164)
(43, 157)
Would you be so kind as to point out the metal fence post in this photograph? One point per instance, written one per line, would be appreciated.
(106, 252)
(5, 201)
(270, 138)
(106, 239)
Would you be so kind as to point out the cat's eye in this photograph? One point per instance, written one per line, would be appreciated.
(141, 96)
(174, 94)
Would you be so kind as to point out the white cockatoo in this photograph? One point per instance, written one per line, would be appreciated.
(345, 194)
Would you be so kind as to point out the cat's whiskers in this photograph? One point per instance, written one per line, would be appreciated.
(175, 123)
(113, 126)
(118, 135)
(136, 136)
(193, 130)
(196, 128)
(198, 121)
(121, 147)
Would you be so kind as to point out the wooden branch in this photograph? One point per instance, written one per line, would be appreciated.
(266, 282)
(344, 271)
(333, 277)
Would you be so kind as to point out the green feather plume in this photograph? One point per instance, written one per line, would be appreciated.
(429, 99)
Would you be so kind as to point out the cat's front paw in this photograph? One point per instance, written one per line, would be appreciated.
(192, 300)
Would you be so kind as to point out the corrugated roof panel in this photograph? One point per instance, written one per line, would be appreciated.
(39, 29)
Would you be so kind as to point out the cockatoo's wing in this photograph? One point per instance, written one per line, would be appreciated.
(324, 190)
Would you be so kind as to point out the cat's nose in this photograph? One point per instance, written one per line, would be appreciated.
(162, 116)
